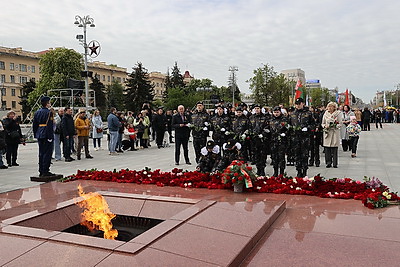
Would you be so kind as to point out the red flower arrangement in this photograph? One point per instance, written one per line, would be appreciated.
(371, 192)
(239, 172)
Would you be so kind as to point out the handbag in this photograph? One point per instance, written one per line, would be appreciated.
(99, 130)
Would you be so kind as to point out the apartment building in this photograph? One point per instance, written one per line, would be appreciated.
(16, 68)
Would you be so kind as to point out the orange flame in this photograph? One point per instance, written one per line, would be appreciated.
(96, 214)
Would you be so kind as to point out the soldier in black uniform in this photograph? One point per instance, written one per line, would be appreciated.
(200, 128)
(315, 138)
(302, 123)
(210, 157)
(278, 126)
(259, 139)
(44, 133)
(232, 151)
(241, 128)
(290, 139)
(221, 126)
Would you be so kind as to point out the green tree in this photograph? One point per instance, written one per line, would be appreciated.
(262, 85)
(100, 95)
(115, 96)
(178, 97)
(139, 90)
(176, 78)
(204, 85)
(27, 88)
(56, 66)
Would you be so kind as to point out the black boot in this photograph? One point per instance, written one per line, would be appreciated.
(260, 172)
(299, 174)
(282, 171)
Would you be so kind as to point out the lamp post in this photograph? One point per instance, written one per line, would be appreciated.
(233, 69)
(83, 22)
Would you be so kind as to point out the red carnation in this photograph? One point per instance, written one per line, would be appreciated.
(249, 168)
(236, 174)
(233, 180)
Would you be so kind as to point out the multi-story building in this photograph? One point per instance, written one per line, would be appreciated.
(18, 66)
(295, 75)
(157, 79)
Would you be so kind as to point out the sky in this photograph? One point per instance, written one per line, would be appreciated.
(350, 44)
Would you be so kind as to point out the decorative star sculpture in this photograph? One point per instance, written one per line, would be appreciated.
(94, 47)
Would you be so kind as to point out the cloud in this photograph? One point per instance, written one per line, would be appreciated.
(349, 44)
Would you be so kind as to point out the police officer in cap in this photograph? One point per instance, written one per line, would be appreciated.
(200, 128)
(210, 157)
(301, 122)
(221, 126)
(241, 128)
(44, 133)
(278, 126)
(259, 136)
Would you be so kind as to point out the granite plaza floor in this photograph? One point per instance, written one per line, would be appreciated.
(202, 227)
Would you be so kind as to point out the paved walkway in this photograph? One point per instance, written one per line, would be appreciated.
(378, 155)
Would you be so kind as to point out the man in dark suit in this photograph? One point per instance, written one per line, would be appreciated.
(180, 122)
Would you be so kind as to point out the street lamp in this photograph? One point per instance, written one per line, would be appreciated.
(83, 22)
(233, 69)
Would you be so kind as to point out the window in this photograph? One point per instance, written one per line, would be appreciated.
(119, 79)
(3, 78)
(4, 104)
(113, 79)
(3, 91)
(33, 79)
(108, 78)
(11, 66)
(33, 69)
(2, 65)
(23, 79)
(13, 104)
(12, 78)
(104, 78)
(22, 67)
(12, 91)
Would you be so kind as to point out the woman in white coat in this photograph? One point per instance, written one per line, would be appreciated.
(331, 123)
(97, 133)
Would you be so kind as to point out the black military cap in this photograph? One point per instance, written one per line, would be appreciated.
(276, 108)
(239, 108)
(45, 99)
(256, 106)
(210, 144)
(218, 106)
(199, 102)
(243, 104)
(299, 100)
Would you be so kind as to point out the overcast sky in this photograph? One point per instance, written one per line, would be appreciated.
(352, 44)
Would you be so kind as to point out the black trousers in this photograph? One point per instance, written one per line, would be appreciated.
(181, 141)
(68, 144)
(160, 137)
(331, 156)
(354, 143)
(345, 144)
(45, 152)
(198, 144)
(11, 154)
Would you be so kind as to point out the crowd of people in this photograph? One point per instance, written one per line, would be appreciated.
(291, 137)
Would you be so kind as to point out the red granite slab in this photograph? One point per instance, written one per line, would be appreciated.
(12, 247)
(152, 257)
(28, 231)
(310, 220)
(204, 244)
(125, 206)
(60, 254)
(56, 221)
(287, 247)
(161, 209)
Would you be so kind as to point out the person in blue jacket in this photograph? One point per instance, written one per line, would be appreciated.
(44, 133)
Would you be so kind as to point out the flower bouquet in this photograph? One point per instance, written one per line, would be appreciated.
(332, 125)
(239, 174)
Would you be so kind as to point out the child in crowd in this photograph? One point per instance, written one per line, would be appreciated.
(354, 130)
(231, 152)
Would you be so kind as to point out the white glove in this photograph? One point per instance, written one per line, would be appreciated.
(223, 130)
(266, 130)
(227, 133)
(283, 134)
(260, 136)
(49, 140)
(304, 129)
(243, 136)
(205, 129)
(188, 125)
(206, 124)
(246, 132)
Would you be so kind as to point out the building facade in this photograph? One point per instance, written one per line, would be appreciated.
(157, 79)
(18, 66)
(295, 75)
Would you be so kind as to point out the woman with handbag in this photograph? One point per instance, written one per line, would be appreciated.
(97, 134)
(13, 138)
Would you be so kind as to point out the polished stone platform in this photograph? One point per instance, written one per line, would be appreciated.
(202, 227)
(45, 179)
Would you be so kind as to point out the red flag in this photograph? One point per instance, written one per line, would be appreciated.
(299, 90)
(347, 101)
